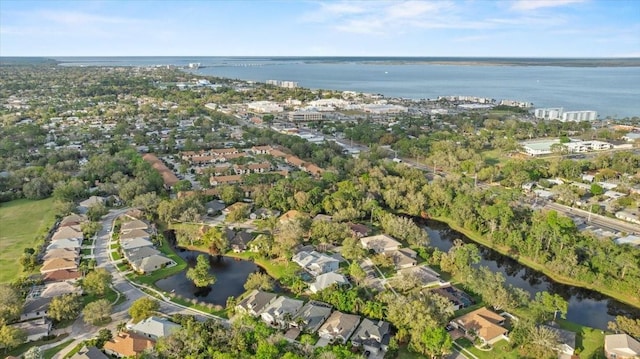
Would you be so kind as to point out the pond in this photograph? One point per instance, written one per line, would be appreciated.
(586, 307)
(231, 274)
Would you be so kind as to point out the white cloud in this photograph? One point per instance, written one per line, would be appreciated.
(528, 5)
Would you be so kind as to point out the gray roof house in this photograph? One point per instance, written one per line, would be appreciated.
(34, 329)
(90, 202)
(134, 254)
(35, 308)
(567, 342)
(155, 327)
(311, 316)
(255, 302)
(152, 263)
(132, 225)
(326, 280)
(339, 327)
(280, 312)
(373, 336)
(316, 263)
(89, 353)
(240, 241)
(621, 346)
(380, 243)
(135, 243)
(134, 234)
(65, 243)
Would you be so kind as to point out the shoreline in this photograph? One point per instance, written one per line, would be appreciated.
(475, 237)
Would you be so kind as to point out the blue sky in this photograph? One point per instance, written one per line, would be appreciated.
(518, 28)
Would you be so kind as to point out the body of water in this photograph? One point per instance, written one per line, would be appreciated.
(231, 274)
(586, 307)
(612, 91)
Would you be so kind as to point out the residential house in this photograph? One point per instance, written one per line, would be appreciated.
(261, 150)
(255, 302)
(359, 230)
(263, 213)
(380, 243)
(214, 207)
(34, 329)
(89, 353)
(567, 342)
(127, 345)
(630, 239)
(322, 217)
(237, 206)
(220, 180)
(72, 218)
(67, 233)
(290, 215)
(456, 297)
(621, 346)
(403, 258)
(280, 312)
(35, 308)
(240, 241)
(136, 224)
(56, 264)
(65, 243)
(155, 327)
(373, 336)
(151, 263)
(57, 289)
(311, 316)
(316, 263)
(482, 323)
(326, 280)
(66, 253)
(339, 327)
(134, 234)
(424, 275)
(135, 243)
(90, 202)
(60, 275)
(135, 254)
(629, 216)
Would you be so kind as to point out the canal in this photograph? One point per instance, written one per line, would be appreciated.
(586, 307)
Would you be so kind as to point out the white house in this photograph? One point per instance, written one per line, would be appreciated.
(155, 327)
(316, 263)
(380, 243)
(326, 280)
(279, 312)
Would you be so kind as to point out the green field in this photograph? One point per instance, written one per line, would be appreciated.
(21, 221)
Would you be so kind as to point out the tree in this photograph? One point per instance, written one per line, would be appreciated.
(97, 282)
(97, 312)
(352, 249)
(628, 325)
(357, 273)
(96, 211)
(435, 342)
(199, 274)
(238, 214)
(37, 188)
(143, 308)
(183, 185)
(33, 353)
(217, 240)
(65, 307)
(546, 306)
(10, 303)
(104, 335)
(230, 194)
(89, 229)
(596, 189)
(28, 260)
(261, 281)
(11, 337)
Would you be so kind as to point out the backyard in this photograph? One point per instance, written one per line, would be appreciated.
(22, 222)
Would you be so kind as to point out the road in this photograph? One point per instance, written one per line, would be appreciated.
(81, 331)
(596, 219)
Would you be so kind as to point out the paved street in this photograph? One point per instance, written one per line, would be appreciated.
(81, 331)
(597, 219)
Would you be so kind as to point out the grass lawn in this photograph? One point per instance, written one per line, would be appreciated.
(22, 221)
(589, 341)
(501, 350)
(22, 348)
(116, 255)
(115, 246)
(110, 295)
(85, 252)
(203, 308)
(49, 353)
(405, 353)
(275, 270)
(75, 350)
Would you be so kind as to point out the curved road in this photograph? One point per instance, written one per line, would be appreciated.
(81, 331)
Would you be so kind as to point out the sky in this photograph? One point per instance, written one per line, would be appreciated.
(460, 28)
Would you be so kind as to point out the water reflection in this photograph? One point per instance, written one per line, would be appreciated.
(586, 307)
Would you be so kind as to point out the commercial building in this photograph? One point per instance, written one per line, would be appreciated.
(565, 116)
(305, 116)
